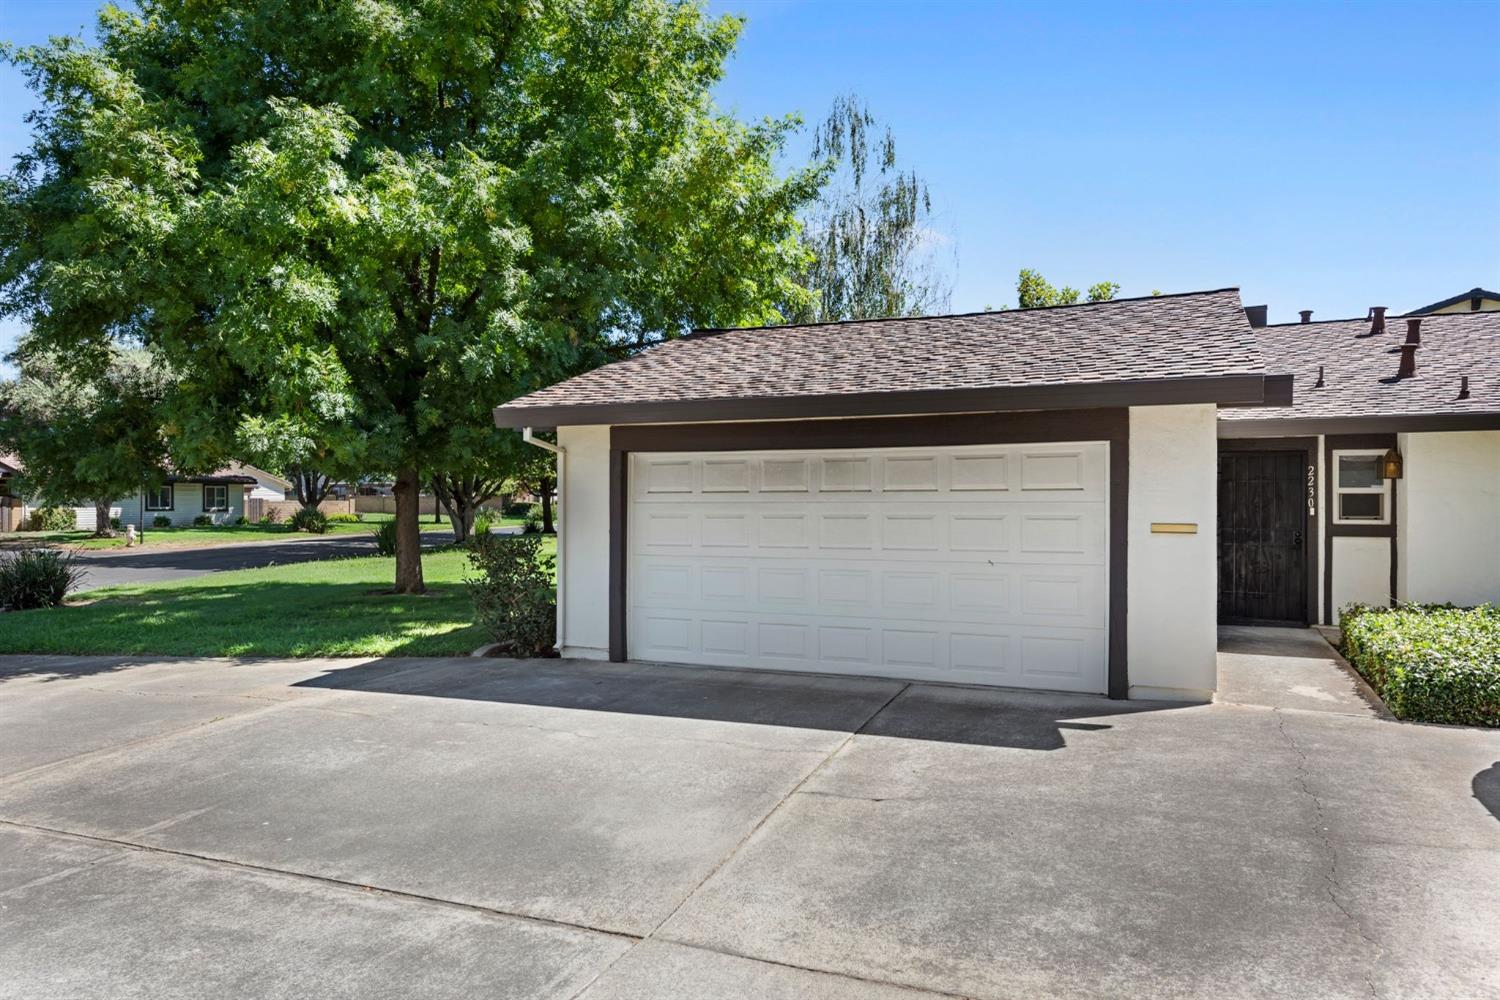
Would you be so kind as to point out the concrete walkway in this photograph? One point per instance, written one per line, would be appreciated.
(1291, 668)
(561, 830)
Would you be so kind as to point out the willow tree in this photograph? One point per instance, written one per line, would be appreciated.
(874, 249)
(384, 217)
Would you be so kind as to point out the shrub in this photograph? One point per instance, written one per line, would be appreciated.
(516, 508)
(161, 521)
(385, 538)
(271, 516)
(484, 522)
(343, 518)
(203, 521)
(114, 524)
(1430, 663)
(52, 519)
(309, 519)
(533, 521)
(514, 597)
(241, 521)
(37, 578)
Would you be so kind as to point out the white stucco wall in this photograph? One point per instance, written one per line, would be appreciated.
(1173, 578)
(584, 543)
(1448, 517)
(1361, 572)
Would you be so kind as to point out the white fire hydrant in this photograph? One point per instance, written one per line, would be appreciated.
(130, 536)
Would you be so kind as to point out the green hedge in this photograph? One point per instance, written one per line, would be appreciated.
(1430, 663)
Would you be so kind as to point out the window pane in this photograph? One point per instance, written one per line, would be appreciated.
(1361, 506)
(1356, 471)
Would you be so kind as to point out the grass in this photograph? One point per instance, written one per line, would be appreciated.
(336, 607)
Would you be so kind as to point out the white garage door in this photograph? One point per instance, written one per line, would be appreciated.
(980, 564)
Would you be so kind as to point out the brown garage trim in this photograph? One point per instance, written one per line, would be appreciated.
(1345, 442)
(1309, 448)
(1109, 425)
(1228, 390)
(1270, 426)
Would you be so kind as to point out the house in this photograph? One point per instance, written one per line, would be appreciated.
(1474, 300)
(181, 499)
(1311, 520)
(1068, 498)
(10, 502)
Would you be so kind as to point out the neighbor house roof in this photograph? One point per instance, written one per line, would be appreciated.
(1360, 390)
(1471, 295)
(241, 469)
(1195, 347)
(9, 463)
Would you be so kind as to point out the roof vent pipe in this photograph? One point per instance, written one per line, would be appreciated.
(1306, 315)
(1377, 320)
(1319, 383)
(1414, 330)
(1463, 387)
(1408, 360)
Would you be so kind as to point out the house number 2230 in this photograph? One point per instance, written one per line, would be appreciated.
(1312, 490)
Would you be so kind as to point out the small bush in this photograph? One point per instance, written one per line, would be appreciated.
(52, 519)
(114, 524)
(1429, 663)
(385, 538)
(241, 521)
(309, 519)
(533, 523)
(485, 522)
(203, 521)
(161, 521)
(271, 516)
(516, 509)
(343, 518)
(37, 578)
(514, 597)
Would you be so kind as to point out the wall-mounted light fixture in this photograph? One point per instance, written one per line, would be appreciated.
(1390, 465)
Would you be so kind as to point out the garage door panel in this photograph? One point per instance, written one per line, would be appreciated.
(978, 565)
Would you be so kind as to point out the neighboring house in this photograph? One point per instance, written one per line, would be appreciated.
(1044, 498)
(180, 499)
(268, 486)
(1474, 300)
(11, 509)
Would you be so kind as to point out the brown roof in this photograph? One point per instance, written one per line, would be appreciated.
(1193, 347)
(9, 463)
(1359, 372)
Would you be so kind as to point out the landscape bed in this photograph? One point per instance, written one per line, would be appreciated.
(1429, 663)
(337, 607)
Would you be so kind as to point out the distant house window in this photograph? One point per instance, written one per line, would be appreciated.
(1361, 496)
(215, 497)
(160, 498)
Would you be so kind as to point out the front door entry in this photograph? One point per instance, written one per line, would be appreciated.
(1262, 537)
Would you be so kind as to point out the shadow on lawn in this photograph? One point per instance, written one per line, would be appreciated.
(975, 716)
(271, 619)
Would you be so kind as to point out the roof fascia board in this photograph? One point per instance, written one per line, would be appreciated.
(1229, 390)
(1410, 422)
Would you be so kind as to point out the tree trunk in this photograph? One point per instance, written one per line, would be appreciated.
(546, 492)
(310, 486)
(408, 532)
(101, 520)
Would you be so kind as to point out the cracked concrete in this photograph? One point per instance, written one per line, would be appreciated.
(595, 831)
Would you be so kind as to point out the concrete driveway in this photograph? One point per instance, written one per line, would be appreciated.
(113, 567)
(458, 828)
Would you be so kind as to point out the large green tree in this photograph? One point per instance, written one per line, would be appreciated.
(874, 249)
(363, 223)
(86, 437)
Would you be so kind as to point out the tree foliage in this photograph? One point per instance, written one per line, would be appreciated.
(1034, 291)
(871, 237)
(361, 225)
(86, 438)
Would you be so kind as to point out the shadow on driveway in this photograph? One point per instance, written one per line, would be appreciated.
(1487, 788)
(978, 716)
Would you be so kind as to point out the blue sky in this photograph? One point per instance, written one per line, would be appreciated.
(1319, 156)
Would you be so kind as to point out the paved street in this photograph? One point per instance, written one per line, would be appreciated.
(456, 828)
(111, 567)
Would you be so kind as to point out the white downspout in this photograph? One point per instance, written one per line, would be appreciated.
(562, 468)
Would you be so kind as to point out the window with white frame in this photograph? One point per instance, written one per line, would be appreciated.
(160, 498)
(1361, 495)
(215, 497)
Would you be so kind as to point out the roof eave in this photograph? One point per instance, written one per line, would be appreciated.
(1251, 427)
(1225, 390)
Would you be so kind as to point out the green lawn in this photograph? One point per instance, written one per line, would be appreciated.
(331, 608)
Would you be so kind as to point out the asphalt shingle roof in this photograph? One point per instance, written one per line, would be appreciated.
(1194, 335)
(1359, 369)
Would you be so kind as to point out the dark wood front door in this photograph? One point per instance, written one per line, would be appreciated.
(1262, 537)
